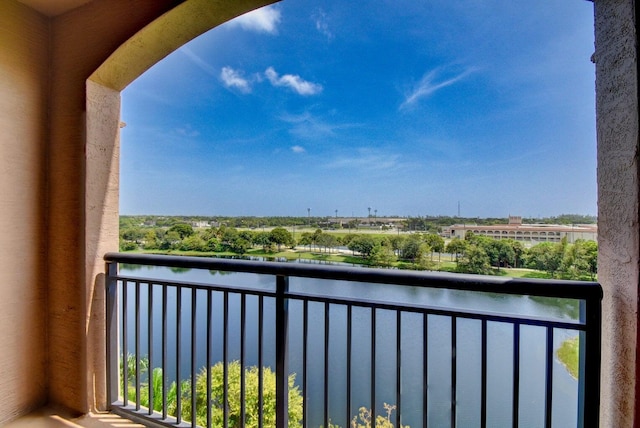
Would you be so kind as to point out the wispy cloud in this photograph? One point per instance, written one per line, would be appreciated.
(202, 64)
(430, 83)
(187, 131)
(234, 79)
(263, 20)
(309, 126)
(298, 149)
(322, 24)
(292, 81)
(366, 160)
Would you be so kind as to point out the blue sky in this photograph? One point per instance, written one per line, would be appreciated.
(404, 106)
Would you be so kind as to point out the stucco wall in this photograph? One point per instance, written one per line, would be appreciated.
(23, 87)
(618, 227)
(80, 41)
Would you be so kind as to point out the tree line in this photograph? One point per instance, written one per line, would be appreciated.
(480, 254)
(473, 254)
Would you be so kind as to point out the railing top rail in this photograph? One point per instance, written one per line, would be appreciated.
(479, 283)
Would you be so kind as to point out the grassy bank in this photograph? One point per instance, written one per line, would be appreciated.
(443, 264)
(569, 355)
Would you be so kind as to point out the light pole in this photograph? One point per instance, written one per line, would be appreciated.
(309, 216)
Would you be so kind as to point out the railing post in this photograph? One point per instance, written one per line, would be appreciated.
(111, 288)
(591, 382)
(282, 351)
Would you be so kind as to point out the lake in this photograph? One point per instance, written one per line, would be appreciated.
(468, 347)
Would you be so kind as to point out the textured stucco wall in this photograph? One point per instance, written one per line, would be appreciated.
(23, 115)
(618, 227)
(81, 40)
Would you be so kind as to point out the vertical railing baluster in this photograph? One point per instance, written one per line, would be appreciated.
(305, 331)
(194, 308)
(165, 376)
(516, 376)
(398, 367)
(483, 377)
(137, 345)
(349, 351)
(548, 400)
(326, 366)
(260, 363)
(373, 367)
(454, 370)
(425, 369)
(592, 344)
(111, 289)
(282, 353)
(125, 339)
(243, 331)
(150, 347)
(208, 357)
(225, 360)
(178, 354)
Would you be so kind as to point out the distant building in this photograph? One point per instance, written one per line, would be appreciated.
(528, 233)
(201, 224)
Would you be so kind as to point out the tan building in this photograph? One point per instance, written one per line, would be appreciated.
(63, 64)
(527, 233)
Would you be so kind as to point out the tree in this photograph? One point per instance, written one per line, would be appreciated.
(546, 256)
(150, 240)
(281, 236)
(382, 255)
(306, 240)
(475, 260)
(362, 244)
(457, 246)
(233, 404)
(192, 243)
(183, 229)
(410, 249)
(396, 242)
(435, 242)
(170, 241)
(326, 240)
(262, 239)
(500, 252)
(217, 404)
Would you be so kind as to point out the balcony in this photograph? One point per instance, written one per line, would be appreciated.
(345, 346)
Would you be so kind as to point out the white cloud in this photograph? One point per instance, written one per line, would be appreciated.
(298, 149)
(187, 131)
(308, 126)
(202, 64)
(234, 79)
(430, 84)
(292, 81)
(322, 25)
(263, 20)
(367, 160)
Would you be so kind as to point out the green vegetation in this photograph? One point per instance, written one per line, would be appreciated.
(368, 247)
(364, 419)
(569, 355)
(233, 403)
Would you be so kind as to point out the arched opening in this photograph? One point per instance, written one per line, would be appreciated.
(98, 92)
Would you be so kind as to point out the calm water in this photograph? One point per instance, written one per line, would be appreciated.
(468, 346)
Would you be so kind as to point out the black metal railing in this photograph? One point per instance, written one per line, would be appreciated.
(174, 347)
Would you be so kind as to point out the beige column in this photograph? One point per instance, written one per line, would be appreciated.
(618, 198)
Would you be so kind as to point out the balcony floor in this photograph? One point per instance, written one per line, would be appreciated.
(53, 418)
